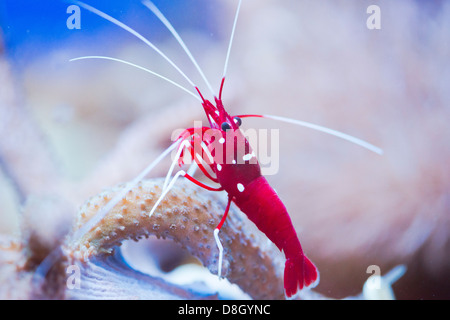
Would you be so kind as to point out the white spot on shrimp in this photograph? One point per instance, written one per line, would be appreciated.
(222, 140)
(240, 187)
(248, 156)
(219, 167)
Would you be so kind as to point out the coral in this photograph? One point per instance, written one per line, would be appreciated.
(13, 284)
(188, 215)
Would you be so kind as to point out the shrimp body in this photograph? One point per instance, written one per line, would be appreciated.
(239, 174)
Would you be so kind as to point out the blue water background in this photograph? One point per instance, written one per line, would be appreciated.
(31, 29)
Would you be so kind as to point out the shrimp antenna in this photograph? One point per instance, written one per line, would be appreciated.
(332, 132)
(133, 32)
(141, 68)
(172, 30)
(229, 46)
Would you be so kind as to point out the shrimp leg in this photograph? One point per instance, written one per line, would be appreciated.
(216, 237)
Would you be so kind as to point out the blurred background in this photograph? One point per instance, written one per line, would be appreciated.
(70, 129)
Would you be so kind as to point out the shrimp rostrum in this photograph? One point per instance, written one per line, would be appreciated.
(225, 157)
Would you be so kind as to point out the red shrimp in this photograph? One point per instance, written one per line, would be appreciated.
(250, 191)
(240, 178)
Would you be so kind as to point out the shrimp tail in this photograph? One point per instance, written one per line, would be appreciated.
(299, 272)
(262, 205)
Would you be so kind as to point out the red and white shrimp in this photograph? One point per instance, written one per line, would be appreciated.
(238, 173)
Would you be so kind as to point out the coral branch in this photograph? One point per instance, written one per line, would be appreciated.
(13, 285)
(24, 154)
(188, 215)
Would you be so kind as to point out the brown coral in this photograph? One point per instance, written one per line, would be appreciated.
(188, 215)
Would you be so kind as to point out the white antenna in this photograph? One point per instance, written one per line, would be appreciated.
(317, 127)
(142, 68)
(169, 26)
(335, 133)
(231, 38)
(133, 32)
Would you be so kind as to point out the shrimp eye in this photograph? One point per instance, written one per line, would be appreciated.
(225, 126)
(238, 121)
